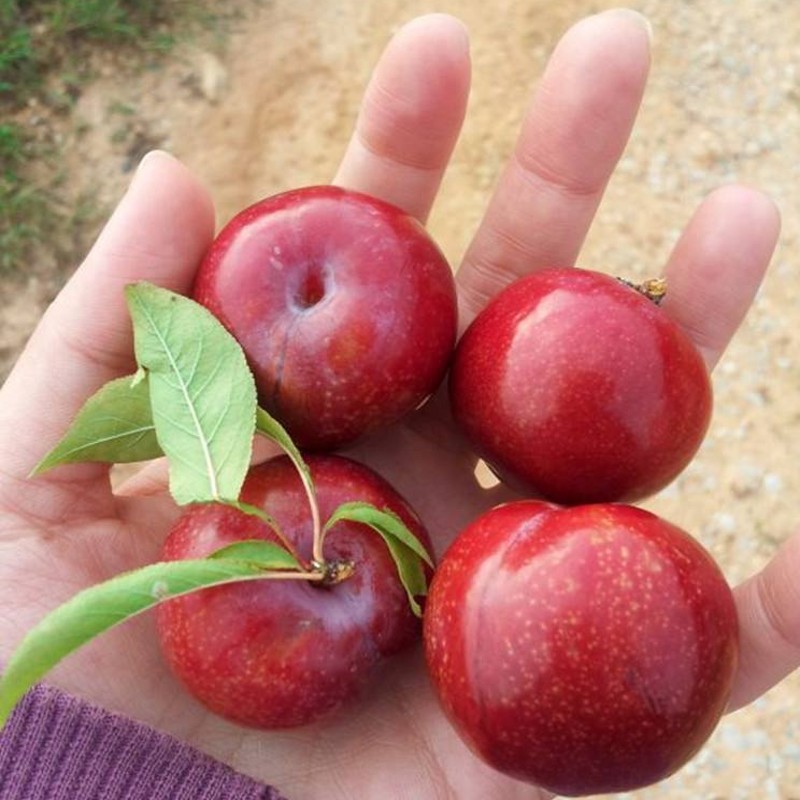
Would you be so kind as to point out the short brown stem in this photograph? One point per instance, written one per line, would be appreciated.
(654, 289)
(334, 571)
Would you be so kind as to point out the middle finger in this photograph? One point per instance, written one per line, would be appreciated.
(571, 139)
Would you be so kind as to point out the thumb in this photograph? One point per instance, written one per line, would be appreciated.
(158, 232)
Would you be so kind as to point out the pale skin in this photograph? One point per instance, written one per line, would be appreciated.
(66, 530)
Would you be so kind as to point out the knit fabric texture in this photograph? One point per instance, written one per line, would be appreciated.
(60, 748)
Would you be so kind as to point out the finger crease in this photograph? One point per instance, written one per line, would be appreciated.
(109, 360)
(777, 623)
(394, 158)
(486, 280)
(535, 171)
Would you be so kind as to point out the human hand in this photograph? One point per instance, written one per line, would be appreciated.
(67, 529)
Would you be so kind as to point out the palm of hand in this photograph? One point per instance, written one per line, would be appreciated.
(67, 530)
(396, 728)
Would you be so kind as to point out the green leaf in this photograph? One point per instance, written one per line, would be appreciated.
(114, 426)
(389, 523)
(268, 426)
(99, 608)
(202, 393)
(406, 550)
(260, 552)
(255, 511)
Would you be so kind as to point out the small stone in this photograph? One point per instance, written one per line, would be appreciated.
(213, 77)
(722, 522)
(773, 483)
(747, 481)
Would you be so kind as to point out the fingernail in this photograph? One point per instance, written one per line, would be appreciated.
(457, 28)
(147, 160)
(635, 16)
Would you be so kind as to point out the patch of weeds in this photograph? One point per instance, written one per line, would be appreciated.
(44, 39)
(25, 210)
(34, 215)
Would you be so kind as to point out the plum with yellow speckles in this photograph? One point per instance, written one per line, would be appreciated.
(282, 653)
(580, 389)
(343, 304)
(585, 650)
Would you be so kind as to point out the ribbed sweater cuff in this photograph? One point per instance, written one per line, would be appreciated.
(61, 748)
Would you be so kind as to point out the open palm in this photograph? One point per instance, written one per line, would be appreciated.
(67, 530)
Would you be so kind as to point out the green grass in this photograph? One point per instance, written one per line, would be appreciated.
(37, 36)
(25, 211)
(44, 38)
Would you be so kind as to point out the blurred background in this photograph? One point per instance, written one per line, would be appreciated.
(261, 97)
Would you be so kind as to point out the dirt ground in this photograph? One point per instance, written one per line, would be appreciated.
(273, 109)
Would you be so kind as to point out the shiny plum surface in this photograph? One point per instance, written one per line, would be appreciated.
(280, 653)
(344, 306)
(579, 389)
(585, 650)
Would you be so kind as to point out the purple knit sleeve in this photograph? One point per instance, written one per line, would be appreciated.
(61, 748)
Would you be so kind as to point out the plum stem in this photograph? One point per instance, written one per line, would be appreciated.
(314, 574)
(334, 571)
(273, 525)
(268, 426)
(316, 540)
(654, 289)
(290, 548)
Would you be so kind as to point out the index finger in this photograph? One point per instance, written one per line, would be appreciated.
(411, 115)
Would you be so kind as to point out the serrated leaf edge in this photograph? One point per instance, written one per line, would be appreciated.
(133, 294)
(48, 462)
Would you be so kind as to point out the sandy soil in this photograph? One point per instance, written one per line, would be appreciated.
(274, 108)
